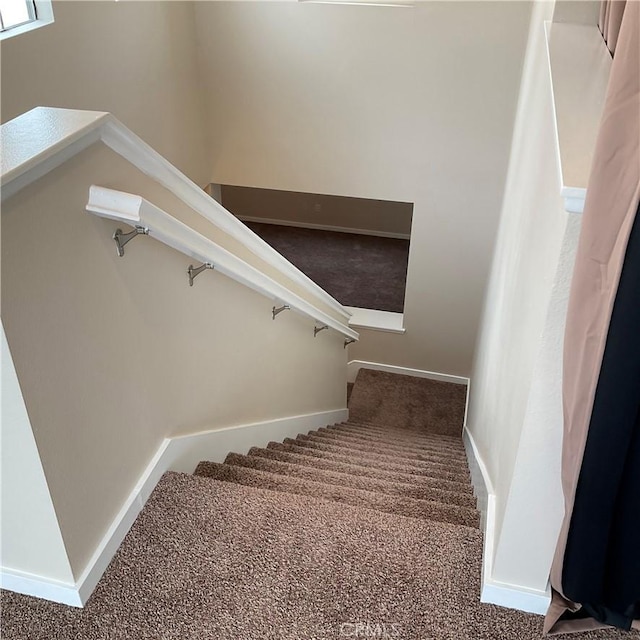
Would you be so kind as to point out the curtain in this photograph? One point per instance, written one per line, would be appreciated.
(595, 576)
(611, 12)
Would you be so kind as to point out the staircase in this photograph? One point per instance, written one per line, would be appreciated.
(398, 470)
(360, 529)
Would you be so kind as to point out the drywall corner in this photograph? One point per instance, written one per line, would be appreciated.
(32, 543)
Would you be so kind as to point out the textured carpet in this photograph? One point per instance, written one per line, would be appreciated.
(358, 271)
(395, 504)
(357, 530)
(408, 449)
(391, 400)
(209, 560)
(316, 459)
(380, 460)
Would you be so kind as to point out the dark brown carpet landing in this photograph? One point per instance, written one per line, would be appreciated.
(357, 270)
(359, 530)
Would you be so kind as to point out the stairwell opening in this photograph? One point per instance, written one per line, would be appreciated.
(357, 249)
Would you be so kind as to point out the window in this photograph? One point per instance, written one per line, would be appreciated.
(19, 16)
(14, 13)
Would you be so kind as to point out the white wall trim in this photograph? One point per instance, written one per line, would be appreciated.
(355, 365)
(494, 591)
(42, 139)
(181, 453)
(121, 524)
(136, 211)
(515, 597)
(326, 227)
(376, 320)
(185, 452)
(485, 494)
(40, 587)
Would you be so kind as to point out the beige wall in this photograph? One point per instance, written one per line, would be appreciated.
(412, 105)
(134, 59)
(31, 540)
(113, 354)
(515, 406)
(577, 11)
(375, 216)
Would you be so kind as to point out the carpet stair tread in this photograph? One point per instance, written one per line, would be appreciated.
(403, 434)
(365, 444)
(356, 497)
(349, 480)
(384, 445)
(454, 445)
(366, 452)
(332, 461)
(390, 464)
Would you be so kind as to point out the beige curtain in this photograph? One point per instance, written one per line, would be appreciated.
(611, 12)
(612, 201)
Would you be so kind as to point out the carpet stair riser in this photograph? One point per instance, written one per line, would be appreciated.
(380, 462)
(384, 446)
(454, 445)
(408, 507)
(421, 431)
(311, 457)
(373, 445)
(366, 452)
(370, 454)
(347, 480)
(454, 450)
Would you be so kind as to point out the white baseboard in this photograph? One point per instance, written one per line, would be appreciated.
(181, 453)
(40, 587)
(494, 591)
(355, 365)
(326, 227)
(483, 490)
(515, 597)
(185, 452)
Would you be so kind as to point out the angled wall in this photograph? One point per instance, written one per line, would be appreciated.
(515, 415)
(31, 538)
(412, 105)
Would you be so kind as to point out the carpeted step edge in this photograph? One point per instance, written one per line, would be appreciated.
(384, 445)
(451, 442)
(322, 459)
(454, 442)
(408, 507)
(409, 452)
(377, 461)
(357, 450)
(348, 480)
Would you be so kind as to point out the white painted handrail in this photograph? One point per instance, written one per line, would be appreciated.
(136, 211)
(41, 139)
